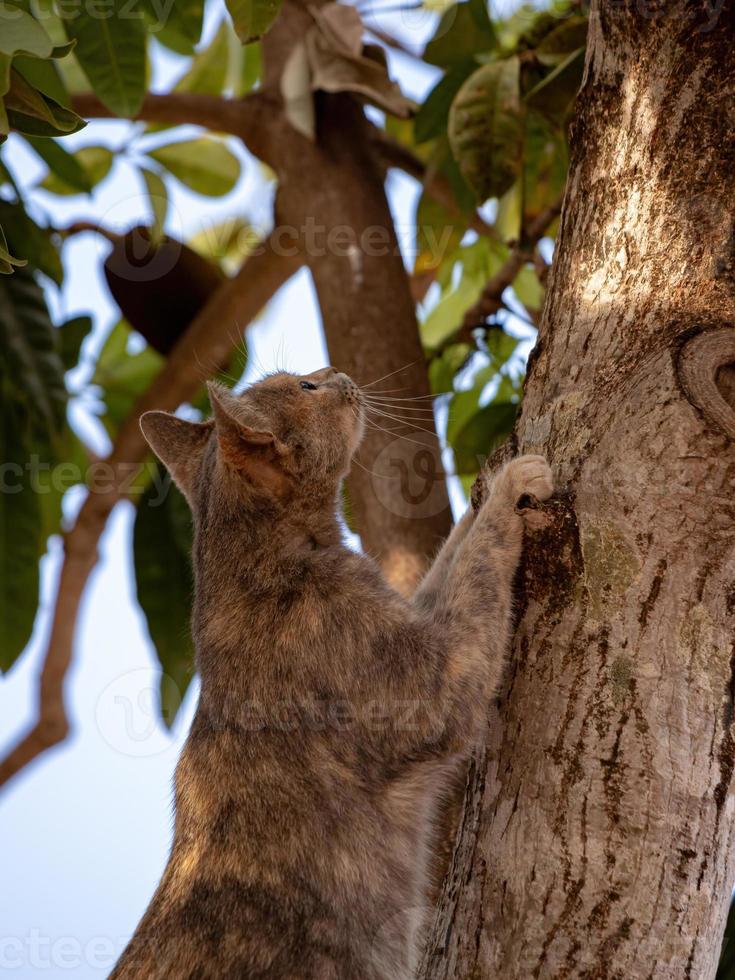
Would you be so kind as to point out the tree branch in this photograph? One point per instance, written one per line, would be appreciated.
(247, 118)
(205, 347)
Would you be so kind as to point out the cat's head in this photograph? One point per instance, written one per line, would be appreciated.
(286, 436)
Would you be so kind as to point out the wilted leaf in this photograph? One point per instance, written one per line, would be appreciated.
(206, 166)
(486, 128)
(161, 548)
(112, 53)
(338, 62)
(252, 18)
(20, 533)
(159, 289)
(298, 98)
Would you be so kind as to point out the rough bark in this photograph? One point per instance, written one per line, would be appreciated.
(597, 834)
(332, 202)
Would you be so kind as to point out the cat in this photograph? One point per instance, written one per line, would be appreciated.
(331, 708)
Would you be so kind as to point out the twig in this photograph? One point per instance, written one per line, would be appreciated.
(80, 227)
(205, 347)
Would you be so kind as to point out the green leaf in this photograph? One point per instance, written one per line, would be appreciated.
(206, 166)
(32, 112)
(546, 160)
(8, 261)
(29, 346)
(30, 240)
(486, 128)
(72, 334)
(112, 52)
(481, 434)
(480, 261)
(438, 233)
(95, 162)
(20, 533)
(431, 119)
(123, 375)
(177, 24)
(45, 77)
(252, 18)
(66, 166)
(465, 30)
(227, 242)
(555, 94)
(443, 369)
(528, 289)
(20, 33)
(158, 197)
(568, 36)
(245, 64)
(162, 539)
(207, 72)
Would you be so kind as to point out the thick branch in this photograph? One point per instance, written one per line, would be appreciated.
(247, 118)
(206, 346)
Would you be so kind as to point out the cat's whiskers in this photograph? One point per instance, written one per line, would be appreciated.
(386, 376)
(410, 423)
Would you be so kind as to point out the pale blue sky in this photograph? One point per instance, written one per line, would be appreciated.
(84, 832)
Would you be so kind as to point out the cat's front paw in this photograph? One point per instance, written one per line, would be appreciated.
(525, 481)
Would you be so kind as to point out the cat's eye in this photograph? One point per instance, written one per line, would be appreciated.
(308, 386)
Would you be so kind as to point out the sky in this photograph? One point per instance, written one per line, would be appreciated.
(85, 831)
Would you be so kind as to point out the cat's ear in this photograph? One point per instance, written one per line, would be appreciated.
(256, 454)
(178, 444)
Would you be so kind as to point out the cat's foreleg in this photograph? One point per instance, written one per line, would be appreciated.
(426, 595)
(473, 602)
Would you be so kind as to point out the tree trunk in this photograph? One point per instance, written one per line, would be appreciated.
(331, 200)
(597, 835)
